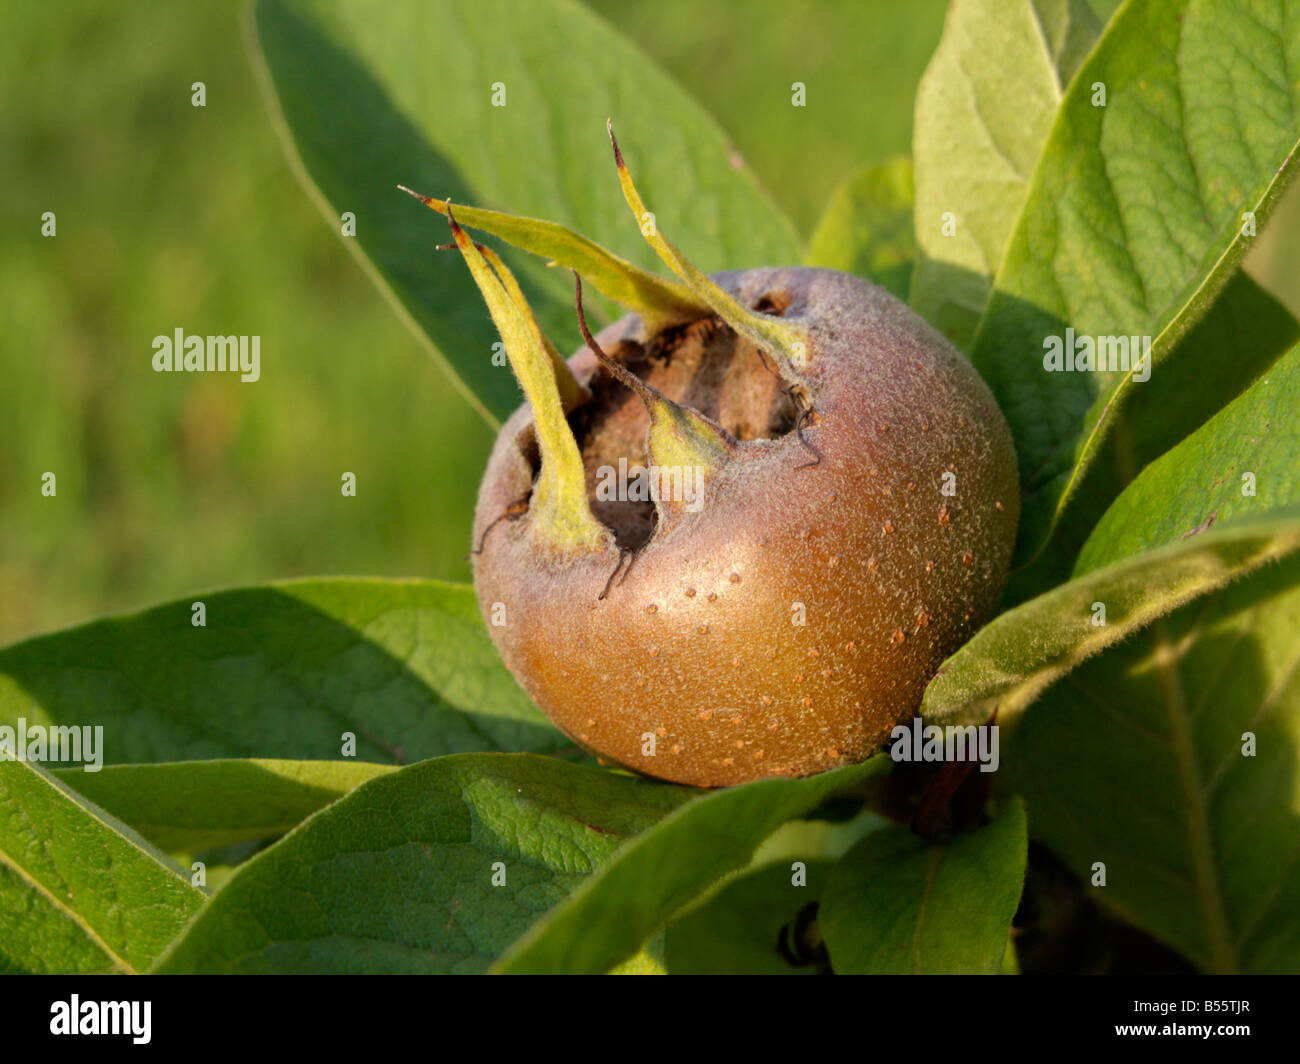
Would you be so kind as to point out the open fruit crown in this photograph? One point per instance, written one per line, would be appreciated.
(560, 516)
(787, 624)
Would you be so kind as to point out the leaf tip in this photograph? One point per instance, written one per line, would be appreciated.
(426, 200)
(613, 140)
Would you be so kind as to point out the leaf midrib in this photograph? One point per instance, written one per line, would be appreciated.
(1205, 878)
(11, 863)
(1058, 89)
(931, 874)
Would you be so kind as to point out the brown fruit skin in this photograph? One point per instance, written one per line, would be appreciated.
(697, 645)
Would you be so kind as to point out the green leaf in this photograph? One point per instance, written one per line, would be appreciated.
(1136, 761)
(608, 918)
(739, 930)
(1197, 839)
(79, 892)
(398, 875)
(285, 670)
(1194, 383)
(650, 961)
(983, 111)
(867, 227)
(1013, 659)
(367, 98)
(1134, 217)
(897, 904)
(1251, 445)
(1182, 529)
(190, 806)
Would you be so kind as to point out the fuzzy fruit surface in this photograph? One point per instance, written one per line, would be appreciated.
(789, 620)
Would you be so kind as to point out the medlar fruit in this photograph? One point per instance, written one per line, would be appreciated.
(737, 533)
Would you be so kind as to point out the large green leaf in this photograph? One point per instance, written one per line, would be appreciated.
(761, 919)
(1242, 463)
(285, 670)
(369, 96)
(1136, 761)
(611, 915)
(1198, 841)
(398, 875)
(1013, 659)
(79, 892)
(983, 111)
(740, 930)
(897, 904)
(1245, 332)
(1134, 217)
(867, 227)
(190, 806)
(981, 123)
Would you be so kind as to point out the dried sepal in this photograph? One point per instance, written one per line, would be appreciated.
(660, 302)
(559, 511)
(787, 345)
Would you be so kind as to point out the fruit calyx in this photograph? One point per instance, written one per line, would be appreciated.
(558, 510)
(787, 345)
(678, 437)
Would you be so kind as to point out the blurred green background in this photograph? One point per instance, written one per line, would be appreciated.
(175, 216)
